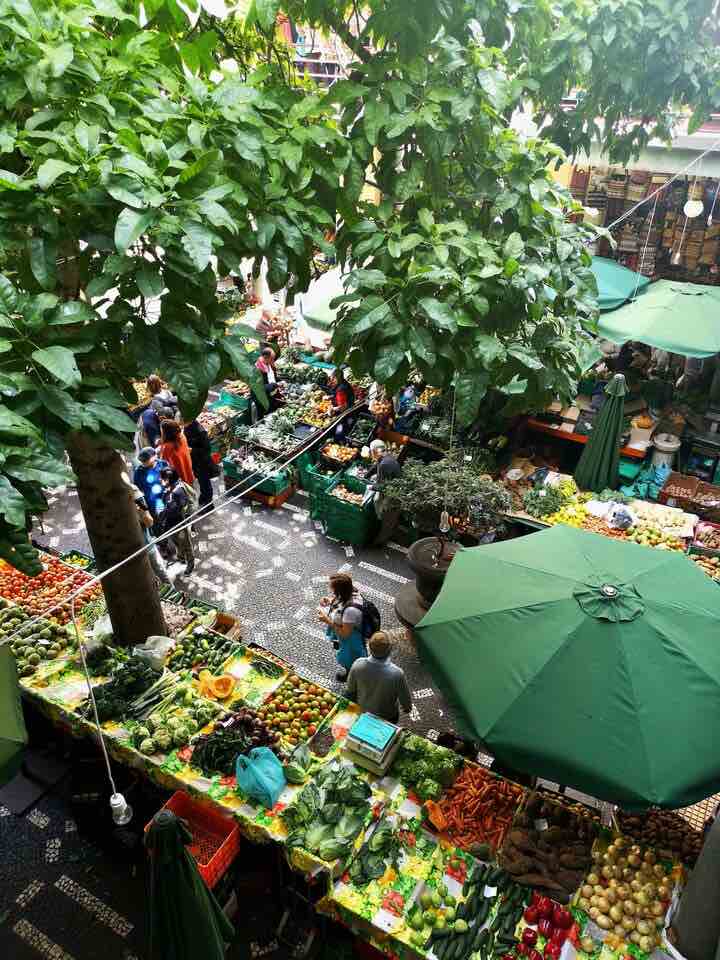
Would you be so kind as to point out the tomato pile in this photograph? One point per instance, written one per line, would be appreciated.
(296, 709)
(37, 595)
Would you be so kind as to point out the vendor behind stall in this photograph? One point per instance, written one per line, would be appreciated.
(265, 365)
(343, 398)
(384, 467)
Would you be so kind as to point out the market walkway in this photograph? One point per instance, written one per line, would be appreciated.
(270, 568)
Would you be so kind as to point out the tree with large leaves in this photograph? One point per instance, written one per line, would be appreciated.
(128, 182)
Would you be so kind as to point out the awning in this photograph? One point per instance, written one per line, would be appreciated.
(616, 284)
(682, 318)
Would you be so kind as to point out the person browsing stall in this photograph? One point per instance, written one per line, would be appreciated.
(384, 467)
(342, 613)
(146, 478)
(175, 450)
(376, 684)
(265, 365)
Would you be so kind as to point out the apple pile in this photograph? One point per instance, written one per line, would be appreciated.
(547, 922)
(296, 709)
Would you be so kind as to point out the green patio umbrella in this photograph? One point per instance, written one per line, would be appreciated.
(597, 468)
(186, 921)
(679, 317)
(13, 736)
(589, 661)
(616, 284)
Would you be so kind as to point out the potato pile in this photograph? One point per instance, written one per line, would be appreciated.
(627, 893)
(669, 833)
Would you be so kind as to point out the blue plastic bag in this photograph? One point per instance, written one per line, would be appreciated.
(260, 776)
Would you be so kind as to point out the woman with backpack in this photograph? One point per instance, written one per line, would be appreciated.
(349, 619)
(180, 503)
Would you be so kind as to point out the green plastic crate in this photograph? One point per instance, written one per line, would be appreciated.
(315, 479)
(348, 522)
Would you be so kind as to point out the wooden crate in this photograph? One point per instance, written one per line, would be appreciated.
(273, 501)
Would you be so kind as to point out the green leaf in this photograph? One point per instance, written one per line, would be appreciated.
(59, 57)
(266, 228)
(427, 221)
(12, 504)
(8, 296)
(528, 359)
(100, 285)
(235, 350)
(126, 190)
(368, 278)
(439, 313)
(197, 243)
(60, 362)
(130, 226)
(197, 167)
(49, 171)
(514, 387)
(469, 394)
(513, 246)
(88, 136)
(375, 117)
(370, 314)
(421, 343)
(585, 59)
(118, 420)
(5, 345)
(277, 275)
(72, 311)
(266, 12)
(16, 425)
(488, 349)
(388, 360)
(42, 262)
(291, 154)
(609, 32)
(150, 282)
(565, 249)
(249, 147)
(490, 270)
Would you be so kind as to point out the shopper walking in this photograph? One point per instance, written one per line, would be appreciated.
(342, 613)
(203, 465)
(175, 450)
(146, 523)
(180, 503)
(376, 684)
(160, 396)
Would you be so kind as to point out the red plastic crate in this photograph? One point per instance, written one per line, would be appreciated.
(215, 837)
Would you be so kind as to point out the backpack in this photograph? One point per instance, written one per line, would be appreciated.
(370, 618)
(193, 499)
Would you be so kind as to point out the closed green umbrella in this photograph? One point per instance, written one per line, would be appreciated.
(186, 921)
(616, 284)
(589, 661)
(598, 465)
(679, 317)
(13, 736)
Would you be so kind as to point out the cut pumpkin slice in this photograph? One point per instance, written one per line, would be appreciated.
(223, 686)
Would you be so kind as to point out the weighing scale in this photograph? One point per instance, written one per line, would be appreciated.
(701, 456)
(372, 743)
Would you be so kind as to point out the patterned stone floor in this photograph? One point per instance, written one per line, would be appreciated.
(270, 568)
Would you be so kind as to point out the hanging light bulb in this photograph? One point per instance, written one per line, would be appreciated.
(444, 522)
(693, 208)
(121, 810)
(676, 258)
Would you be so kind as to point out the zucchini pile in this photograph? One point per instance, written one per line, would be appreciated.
(470, 935)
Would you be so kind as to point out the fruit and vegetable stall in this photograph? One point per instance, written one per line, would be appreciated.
(438, 858)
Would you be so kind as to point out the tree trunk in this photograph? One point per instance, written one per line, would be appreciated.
(114, 529)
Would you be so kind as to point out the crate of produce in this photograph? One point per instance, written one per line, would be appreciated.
(679, 491)
(338, 455)
(226, 624)
(215, 837)
(272, 484)
(363, 430)
(707, 539)
(76, 558)
(343, 518)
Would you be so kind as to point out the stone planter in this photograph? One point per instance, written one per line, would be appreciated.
(429, 560)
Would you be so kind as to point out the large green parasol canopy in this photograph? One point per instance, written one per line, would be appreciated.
(598, 466)
(588, 661)
(13, 736)
(679, 317)
(616, 284)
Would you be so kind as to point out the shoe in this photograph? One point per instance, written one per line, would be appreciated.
(341, 675)
(190, 567)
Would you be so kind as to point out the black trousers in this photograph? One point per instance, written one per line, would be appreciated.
(206, 488)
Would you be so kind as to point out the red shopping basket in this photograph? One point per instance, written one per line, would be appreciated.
(215, 837)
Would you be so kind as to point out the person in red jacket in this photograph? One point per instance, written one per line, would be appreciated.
(175, 451)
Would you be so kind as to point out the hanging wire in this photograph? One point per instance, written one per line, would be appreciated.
(676, 258)
(712, 208)
(647, 238)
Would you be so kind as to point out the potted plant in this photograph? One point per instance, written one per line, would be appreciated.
(474, 503)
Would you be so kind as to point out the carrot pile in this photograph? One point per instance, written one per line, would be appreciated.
(479, 807)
